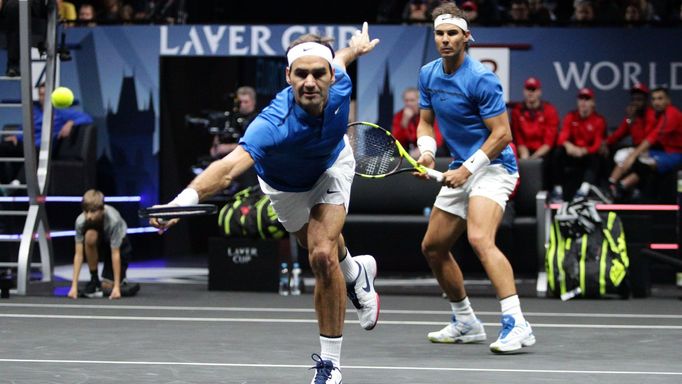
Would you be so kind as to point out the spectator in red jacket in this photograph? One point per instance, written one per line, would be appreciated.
(535, 123)
(661, 150)
(405, 122)
(637, 124)
(576, 157)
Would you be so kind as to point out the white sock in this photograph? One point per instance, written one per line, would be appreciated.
(349, 268)
(330, 349)
(512, 306)
(463, 311)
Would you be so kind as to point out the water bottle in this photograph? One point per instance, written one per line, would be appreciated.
(284, 279)
(295, 279)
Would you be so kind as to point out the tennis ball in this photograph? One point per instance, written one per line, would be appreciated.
(62, 97)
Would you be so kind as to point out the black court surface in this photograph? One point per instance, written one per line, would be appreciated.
(185, 334)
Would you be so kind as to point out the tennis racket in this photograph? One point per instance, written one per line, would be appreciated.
(378, 154)
(167, 212)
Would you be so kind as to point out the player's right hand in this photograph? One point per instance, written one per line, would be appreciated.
(162, 224)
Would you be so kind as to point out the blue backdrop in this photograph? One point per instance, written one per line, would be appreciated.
(115, 73)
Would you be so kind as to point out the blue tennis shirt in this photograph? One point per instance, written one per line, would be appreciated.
(291, 148)
(461, 101)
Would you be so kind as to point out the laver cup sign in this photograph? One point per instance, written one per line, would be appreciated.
(237, 264)
(242, 255)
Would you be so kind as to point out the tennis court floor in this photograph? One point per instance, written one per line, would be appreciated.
(173, 333)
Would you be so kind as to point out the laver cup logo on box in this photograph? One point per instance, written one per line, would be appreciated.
(242, 255)
(244, 264)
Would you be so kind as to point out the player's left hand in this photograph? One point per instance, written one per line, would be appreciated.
(360, 43)
(456, 178)
(427, 161)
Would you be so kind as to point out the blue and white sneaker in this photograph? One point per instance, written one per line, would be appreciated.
(326, 372)
(362, 294)
(513, 336)
(459, 332)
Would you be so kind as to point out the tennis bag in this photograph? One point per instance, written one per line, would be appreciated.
(587, 257)
(248, 214)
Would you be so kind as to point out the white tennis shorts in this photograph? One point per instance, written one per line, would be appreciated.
(493, 182)
(333, 187)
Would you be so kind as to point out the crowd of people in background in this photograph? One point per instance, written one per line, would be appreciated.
(581, 147)
(93, 12)
(541, 12)
(479, 12)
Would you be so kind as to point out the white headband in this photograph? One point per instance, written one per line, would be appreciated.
(447, 18)
(309, 49)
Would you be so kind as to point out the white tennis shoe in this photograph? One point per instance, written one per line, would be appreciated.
(325, 371)
(362, 294)
(513, 336)
(459, 332)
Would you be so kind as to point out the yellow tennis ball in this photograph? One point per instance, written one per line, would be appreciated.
(62, 97)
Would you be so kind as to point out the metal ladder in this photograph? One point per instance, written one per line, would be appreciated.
(36, 227)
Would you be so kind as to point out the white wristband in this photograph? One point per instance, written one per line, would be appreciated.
(427, 144)
(477, 161)
(188, 196)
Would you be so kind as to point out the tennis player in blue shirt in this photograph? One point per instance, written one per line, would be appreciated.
(304, 164)
(466, 99)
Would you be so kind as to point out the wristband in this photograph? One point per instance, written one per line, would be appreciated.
(477, 161)
(188, 196)
(427, 144)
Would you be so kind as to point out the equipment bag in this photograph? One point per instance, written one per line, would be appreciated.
(590, 264)
(248, 214)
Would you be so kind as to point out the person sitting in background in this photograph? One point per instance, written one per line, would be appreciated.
(405, 122)
(534, 122)
(101, 234)
(583, 13)
(245, 106)
(539, 13)
(519, 12)
(64, 120)
(637, 123)
(66, 12)
(470, 9)
(660, 151)
(416, 11)
(579, 141)
(86, 15)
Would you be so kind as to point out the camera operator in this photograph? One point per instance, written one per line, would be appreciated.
(244, 112)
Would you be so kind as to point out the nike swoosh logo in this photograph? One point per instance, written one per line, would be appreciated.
(366, 288)
(330, 191)
(337, 110)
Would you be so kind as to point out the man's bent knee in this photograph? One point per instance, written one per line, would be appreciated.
(322, 263)
(433, 252)
(91, 237)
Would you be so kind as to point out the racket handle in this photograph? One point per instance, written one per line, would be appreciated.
(435, 175)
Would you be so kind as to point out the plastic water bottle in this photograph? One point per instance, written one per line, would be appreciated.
(284, 279)
(295, 279)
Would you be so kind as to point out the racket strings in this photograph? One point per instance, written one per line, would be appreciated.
(375, 152)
